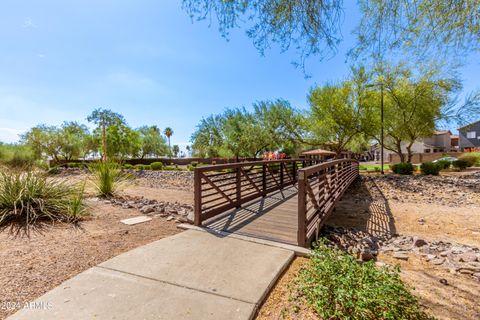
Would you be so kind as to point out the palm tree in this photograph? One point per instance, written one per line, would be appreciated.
(168, 132)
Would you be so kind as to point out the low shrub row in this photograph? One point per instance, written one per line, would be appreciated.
(403, 168)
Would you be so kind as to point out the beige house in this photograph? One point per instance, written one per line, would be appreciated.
(441, 141)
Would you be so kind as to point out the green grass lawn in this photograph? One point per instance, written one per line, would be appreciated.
(373, 167)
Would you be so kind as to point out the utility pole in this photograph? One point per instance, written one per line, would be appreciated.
(381, 133)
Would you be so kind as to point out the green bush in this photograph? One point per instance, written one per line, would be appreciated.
(17, 156)
(147, 167)
(107, 177)
(156, 165)
(336, 286)
(430, 168)
(127, 166)
(139, 167)
(73, 165)
(403, 168)
(443, 164)
(27, 198)
(470, 159)
(460, 164)
(194, 164)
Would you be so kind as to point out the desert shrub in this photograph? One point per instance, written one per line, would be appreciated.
(470, 159)
(443, 164)
(73, 165)
(27, 198)
(127, 166)
(156, 165)
(107, 177)
(194, 164)
(336, 286)
(147, 167)
(460, 164)
(430, 168)
(403, 168)
(139, 166)
(53, 170)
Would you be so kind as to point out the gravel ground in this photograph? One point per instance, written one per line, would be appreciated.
(32, 266)
(443, 211)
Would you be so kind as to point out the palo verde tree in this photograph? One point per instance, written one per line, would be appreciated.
(341, 113)
(104, 119)
(152, 143)
(425, 28)
(312, 27)
(207, 140)
(415, 105)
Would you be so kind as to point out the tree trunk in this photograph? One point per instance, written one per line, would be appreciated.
(409, 153)
(398, 145)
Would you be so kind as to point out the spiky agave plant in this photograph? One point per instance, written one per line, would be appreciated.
(107, 177)
(27, 198)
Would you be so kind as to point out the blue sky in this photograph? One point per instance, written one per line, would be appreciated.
(146, 60)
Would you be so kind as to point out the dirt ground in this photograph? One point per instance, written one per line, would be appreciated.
(370, 207)
(32, 266)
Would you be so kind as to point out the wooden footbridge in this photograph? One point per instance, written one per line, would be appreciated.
(284, 200)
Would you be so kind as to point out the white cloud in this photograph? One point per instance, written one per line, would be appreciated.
(28, 23)
(10, 134)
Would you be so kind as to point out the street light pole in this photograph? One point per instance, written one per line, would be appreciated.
(381, 134)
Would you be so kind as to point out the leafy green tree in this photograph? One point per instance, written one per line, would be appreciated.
(104, 119)
(123, 141)
(422, 27)
(73, 140)
(44, 141)
(312, 27)
(175, 150)
(207, 140)
(416, 104)
(340, 113)
(152, 142)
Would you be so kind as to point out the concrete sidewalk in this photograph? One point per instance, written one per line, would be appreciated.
(191, 275)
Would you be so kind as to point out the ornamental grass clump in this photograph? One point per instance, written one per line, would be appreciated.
(107, 177)
(336, 286)
(27, 198)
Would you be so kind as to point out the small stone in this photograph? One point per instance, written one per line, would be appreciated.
(147, 209)
(476, 275)
(400, 255)
(366, 255)
(444, 282)
(430, 257)
(418, 242)
(170, 218)
(437, 261)
(190, 217)
(468, 257)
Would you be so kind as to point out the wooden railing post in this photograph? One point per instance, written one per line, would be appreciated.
(238, 189)
(281, 175)
(264, 180)
(302, 201)
(294, 171)
(197, 220)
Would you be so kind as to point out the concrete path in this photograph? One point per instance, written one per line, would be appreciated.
(191, 275)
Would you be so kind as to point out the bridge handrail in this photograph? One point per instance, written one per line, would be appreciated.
(218, 188)
(320, 187)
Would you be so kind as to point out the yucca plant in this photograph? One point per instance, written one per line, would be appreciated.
(27, 198)
(107, 177)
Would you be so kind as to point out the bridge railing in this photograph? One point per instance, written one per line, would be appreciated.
(319, 188)
(219, 188)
